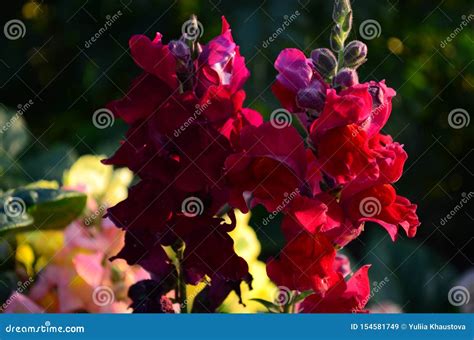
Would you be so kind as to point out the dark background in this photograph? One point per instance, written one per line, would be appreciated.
(67, 82)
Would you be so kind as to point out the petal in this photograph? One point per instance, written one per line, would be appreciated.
(294, 70)
(144, 96)
(155, 58)
(89, 267)
(353, 105)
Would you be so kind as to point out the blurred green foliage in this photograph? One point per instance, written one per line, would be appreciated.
(67, 81)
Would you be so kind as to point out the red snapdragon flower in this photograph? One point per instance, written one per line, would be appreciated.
(309, 261)
(349, 171)
(349, 296)
(350, 155)
(185, 113)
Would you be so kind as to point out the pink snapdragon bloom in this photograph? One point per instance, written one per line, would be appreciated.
(80, 278)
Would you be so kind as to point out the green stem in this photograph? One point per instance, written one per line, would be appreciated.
(340, 59)
(293, 308)
(340, 53)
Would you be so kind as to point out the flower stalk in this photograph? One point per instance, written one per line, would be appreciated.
(342, 17)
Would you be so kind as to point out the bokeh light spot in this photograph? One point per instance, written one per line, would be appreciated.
(395, 45)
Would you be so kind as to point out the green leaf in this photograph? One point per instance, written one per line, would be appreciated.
(303, 295)
(288, 307)
(272, 307)
(30, 208)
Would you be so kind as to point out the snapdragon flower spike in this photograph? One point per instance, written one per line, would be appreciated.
(344, 171)
(185, 113)
(350, 151)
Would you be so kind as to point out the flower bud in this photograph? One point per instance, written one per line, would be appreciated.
(340, 10)
(355, 54)
(179, 49)
(347, 23)
(184, 64)
(324, 62)
(346, 78)
(336, 39)
(312, 97)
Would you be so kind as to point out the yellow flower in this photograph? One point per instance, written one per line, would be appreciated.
(89, 172)
(25, 256)
(99, 181)
(117, 189)
(43, 245)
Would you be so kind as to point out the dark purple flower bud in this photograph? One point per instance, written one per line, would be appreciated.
(324, 62)
(346, 78)
(355, 54)
(184, 64)
(312, 97)
(179, 49)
